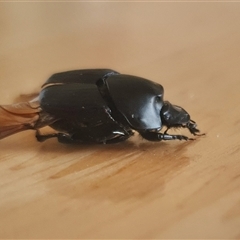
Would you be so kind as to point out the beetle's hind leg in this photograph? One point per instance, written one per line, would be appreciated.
(156, 136)
(62, 137)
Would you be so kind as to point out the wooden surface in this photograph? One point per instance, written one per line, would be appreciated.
(136, 189)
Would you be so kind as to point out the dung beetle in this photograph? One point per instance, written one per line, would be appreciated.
(97, 106)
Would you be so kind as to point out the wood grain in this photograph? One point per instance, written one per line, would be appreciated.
(136, 189)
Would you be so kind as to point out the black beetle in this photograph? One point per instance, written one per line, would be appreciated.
(98, 106)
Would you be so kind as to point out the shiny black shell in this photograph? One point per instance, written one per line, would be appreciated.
(95, 95)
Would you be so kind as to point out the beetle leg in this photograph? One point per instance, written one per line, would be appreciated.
(42, 138)
(155, 136)
(165, 132)
(62, 137)
(173, 137)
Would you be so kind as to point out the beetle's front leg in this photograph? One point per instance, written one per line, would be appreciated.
(156, 136)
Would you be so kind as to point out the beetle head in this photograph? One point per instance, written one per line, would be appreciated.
(175, 116)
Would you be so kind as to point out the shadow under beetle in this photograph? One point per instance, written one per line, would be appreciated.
(97, 106)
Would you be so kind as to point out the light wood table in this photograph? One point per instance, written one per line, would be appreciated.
(136, 189)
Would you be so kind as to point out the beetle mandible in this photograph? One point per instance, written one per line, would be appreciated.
(97, 106)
